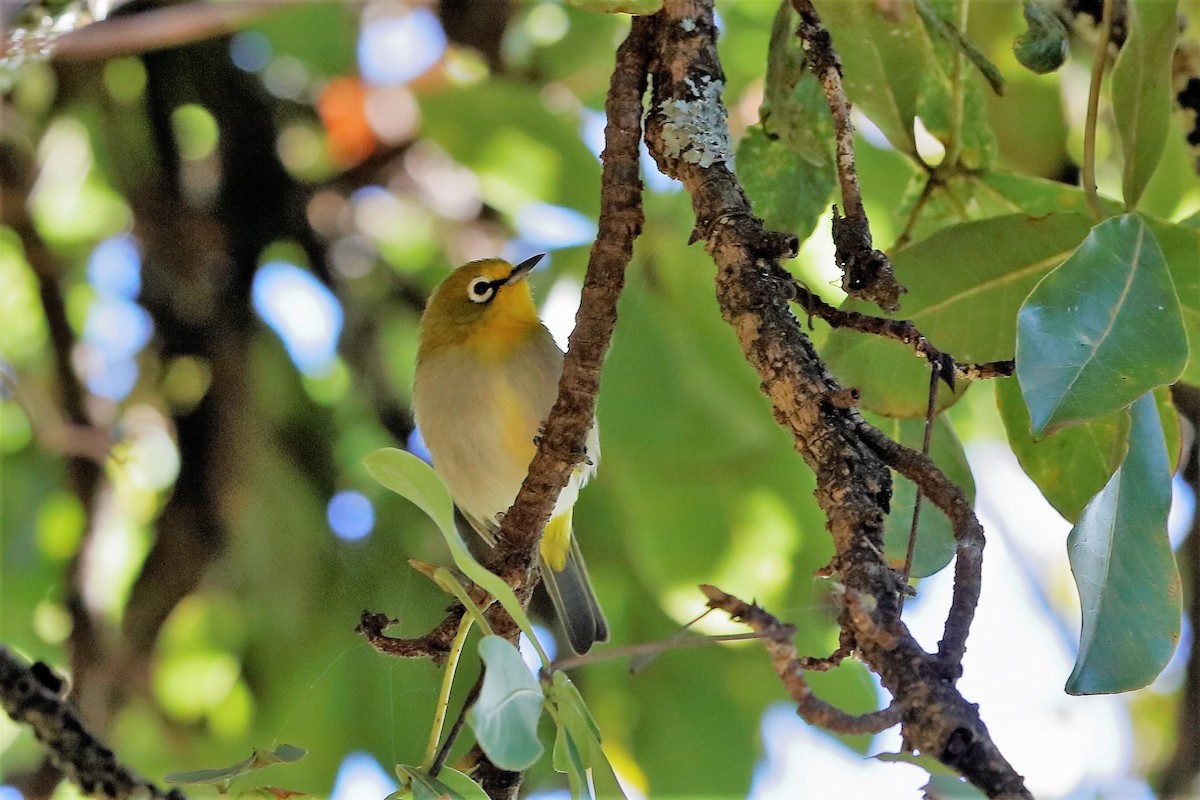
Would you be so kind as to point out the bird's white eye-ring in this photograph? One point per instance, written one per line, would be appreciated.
(481, 290)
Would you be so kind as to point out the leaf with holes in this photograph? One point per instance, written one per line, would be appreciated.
(1129, 589)
(1101, 330)
(1141, 90)
(965, 284)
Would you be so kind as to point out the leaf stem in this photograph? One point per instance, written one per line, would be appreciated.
(443, 703)
(1089, 128)
(930, 413)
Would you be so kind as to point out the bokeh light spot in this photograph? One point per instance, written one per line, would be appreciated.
(250, 51)
(302, 311)
(396, 49)
(361, 778)
(351, 515)
(545, 225)
(115, 267)
(196, 131)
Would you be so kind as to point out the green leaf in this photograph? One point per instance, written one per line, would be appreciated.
(1101, 330)
(413, 479)
(1072, 464)
(1129, 587)
(505, 718)
(787, 191)
(884, 58)
(944, 782)
(1181, 248)
(581, 738)
(959, 40)
(450, 784)
(786, 163)
(1038, 196)
(965, 284)
(935, 536)
(1172, 431)
(1141, 90)
(259, 759)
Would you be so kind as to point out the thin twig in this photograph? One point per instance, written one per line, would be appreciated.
(777, 637)
(443, 752)
(930, 413)
(904, 331)
(868, 273)
(642, 649)
(561, 446)
(1093, 107)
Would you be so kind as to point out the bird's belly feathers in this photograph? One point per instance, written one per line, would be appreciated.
(479, 420)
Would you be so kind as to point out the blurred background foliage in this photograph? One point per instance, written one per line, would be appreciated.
(213, 259)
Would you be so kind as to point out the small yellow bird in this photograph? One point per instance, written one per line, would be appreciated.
(487, 374)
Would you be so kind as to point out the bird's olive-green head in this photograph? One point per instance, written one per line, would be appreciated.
(484, 304)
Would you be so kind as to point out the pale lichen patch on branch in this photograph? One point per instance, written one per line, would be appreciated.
(697, 131)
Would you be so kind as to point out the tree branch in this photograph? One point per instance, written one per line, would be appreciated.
(790, 668)
(868, 273)
(900, 330)
(853, 484)
(32, 696)
(562, 443)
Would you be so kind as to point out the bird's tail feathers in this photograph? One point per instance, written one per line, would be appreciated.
(574, 601)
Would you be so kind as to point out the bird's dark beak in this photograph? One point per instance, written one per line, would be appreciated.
(521, 270)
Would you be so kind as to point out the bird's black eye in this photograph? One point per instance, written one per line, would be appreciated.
(480, 290)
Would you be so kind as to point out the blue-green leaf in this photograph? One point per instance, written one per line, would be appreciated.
(1101, 330)
(578, 742)
(505, 718)
(1141, 90)
(1129, 587)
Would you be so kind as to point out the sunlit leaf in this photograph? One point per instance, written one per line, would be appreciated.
(411, 478)
(505, 717)
(1128, 583)
(969, 312)
(935, 536)
(1101, 330)
(1141, 90)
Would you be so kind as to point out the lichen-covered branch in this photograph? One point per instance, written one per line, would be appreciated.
(853, 483)
(32, 696)
(868, 272)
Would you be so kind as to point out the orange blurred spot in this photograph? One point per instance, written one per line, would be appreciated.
(342, 106)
